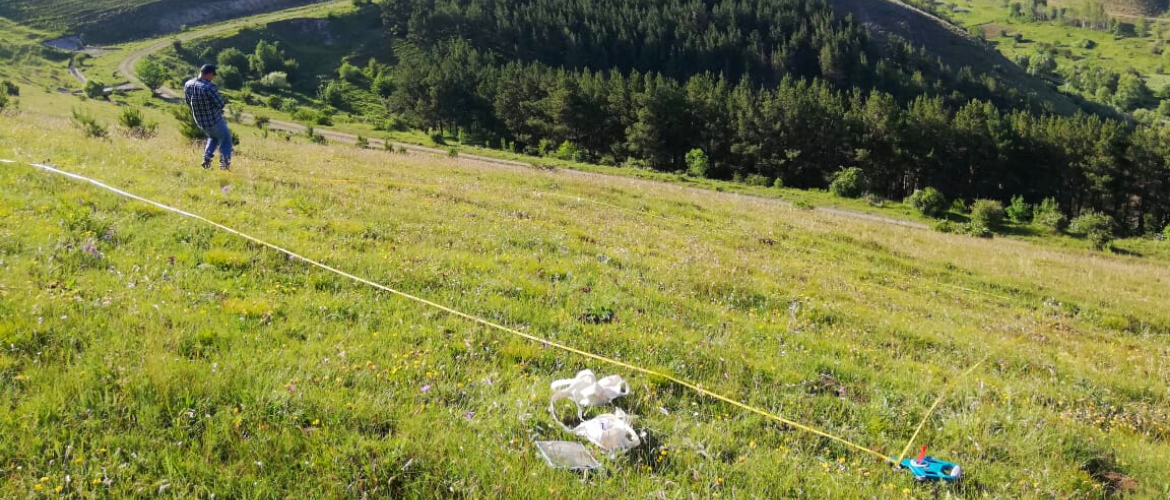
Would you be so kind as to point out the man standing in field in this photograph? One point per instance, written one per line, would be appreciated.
(207, 108)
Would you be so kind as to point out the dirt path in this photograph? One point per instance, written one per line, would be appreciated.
(126, 67)
(76, 72)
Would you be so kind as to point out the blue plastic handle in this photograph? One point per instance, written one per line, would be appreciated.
(933, 469)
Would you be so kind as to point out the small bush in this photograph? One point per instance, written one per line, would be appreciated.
(275, 102)
(757, 180)
(1048, 214)
(262, 121)
(568, 152)
(848, 183)
(276, 80)
(988, 214)
(383, 86)
(697, 163)
(960, 207)
(95, 89)
(89, 125)
(1095, 226)
(3, 100)
(929, 202)
(438, 139)
(362, 142)
(1166, 233)
(333, 94)
(187, 126)
(136, 125)
(452, 153)
(10, 89)
(1019, 211)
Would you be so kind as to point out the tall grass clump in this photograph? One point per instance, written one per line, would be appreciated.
(89, 125)
(187, 126)
(136, 124)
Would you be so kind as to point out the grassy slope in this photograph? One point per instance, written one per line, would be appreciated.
(28, 63)
(108, 21)
(1116, 54)
(146, 352)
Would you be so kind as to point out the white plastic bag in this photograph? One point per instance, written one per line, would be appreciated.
(586, 390)
(610, 431)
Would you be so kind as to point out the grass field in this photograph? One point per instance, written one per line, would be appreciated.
(1117, 54)
(107, 21)
(147, 355)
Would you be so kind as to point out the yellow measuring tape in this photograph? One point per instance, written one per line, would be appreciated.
(946, 389)
(470, 317)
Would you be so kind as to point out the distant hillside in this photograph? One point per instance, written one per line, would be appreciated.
(1137, 7)
(886, 20)
(106, 21)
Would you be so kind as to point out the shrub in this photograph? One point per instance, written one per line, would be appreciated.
(944, 226)
(757, 180)
(350, 73)
(262, 121)
(10, 89)
(383, 86)
(230, 77)
(333, 94)
(88, 124)
(151, 73)
(929, 202)
(697, 163)
(1095, 226)
(362, 142)
(452, 153)
(276, 80)
(94, 89)
(848, 183)
(3, 100)
(136, 125)
(324, 119)
(987, 213)
(1019, 211)
(977, 230)
(187, 126)
(959, 206)
(275, 102)
(568, 152)
(1048, 214)
(1166, 233)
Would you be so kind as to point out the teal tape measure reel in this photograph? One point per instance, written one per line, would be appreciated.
(927, 468)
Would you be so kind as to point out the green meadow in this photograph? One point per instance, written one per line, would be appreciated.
(148, 355)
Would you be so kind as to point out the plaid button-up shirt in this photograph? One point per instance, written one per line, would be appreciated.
(205, 102)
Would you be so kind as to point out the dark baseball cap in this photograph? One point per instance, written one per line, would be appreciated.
(207, 68)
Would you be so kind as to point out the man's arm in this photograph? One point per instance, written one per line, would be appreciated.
(187, 94)
(219, 101)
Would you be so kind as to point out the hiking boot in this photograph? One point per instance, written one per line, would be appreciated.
(206, 163)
